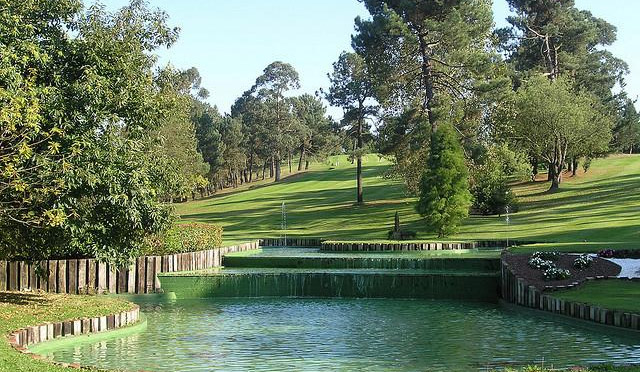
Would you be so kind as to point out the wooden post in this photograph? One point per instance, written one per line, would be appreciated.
(112, 279)
(92, 276)
(53, 277)
(72, 267)
(150, 275)
(102, 277)
(33, 278)
(3, 275)
(62, 276)
(158, 261)
(141, 275)
(131, 278)
(122, 280)
(24, 276)
(82, 276)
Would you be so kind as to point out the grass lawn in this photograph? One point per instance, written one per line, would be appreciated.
(594, 210)
(18, 310)
(610, 294)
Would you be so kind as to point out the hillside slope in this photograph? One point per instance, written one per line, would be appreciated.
(591, 211)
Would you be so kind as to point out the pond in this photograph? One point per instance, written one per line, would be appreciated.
(313, 334)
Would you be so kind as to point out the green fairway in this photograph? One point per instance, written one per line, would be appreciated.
(596, 210)
(610, 294)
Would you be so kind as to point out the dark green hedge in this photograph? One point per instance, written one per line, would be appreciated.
(188, 237)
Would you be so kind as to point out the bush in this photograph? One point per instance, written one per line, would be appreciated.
(183, 238)
(490, 178)
(554, 273)
(583, 261)
(551, 256)
(620, 253)
(540, 264)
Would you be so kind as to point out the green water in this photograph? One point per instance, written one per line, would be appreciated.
(294, 334)
(361, 283)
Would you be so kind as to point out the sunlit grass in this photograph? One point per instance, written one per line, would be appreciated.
(594, 210)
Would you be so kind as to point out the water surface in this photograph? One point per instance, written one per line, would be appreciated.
(282, 334)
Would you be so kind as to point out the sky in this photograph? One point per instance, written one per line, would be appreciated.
(231, 41)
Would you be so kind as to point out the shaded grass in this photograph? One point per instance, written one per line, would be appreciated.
(594, 210)
(19, 309)
(610, 294)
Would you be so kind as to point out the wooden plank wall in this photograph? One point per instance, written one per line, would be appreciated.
(515, 290)
(79, 276)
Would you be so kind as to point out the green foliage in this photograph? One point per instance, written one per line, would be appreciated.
(179, 167)
(189, 237)
(490, 180)
(78, 108)
(444, 190)
(552, 121)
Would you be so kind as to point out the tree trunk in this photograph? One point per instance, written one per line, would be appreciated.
(290, 167)
(306, 165)
(575, 166)
(534, 168)
(427, 80)
(278, 170)
(359, 165)
(251, 167)
(301, 157)
(550, 172)
(271, 168)
(557, 165)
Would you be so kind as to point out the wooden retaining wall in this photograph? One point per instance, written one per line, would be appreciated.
(291, 242)
(28, 336)
(346, 246)
(76, 276)
(515, 290)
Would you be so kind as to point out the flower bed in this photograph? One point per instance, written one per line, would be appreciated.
(522, 267)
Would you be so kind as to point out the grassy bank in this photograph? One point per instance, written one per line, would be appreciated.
(18, 310)
(610, 294)
(594, 210)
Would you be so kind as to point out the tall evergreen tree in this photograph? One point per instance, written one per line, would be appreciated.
(444, 190)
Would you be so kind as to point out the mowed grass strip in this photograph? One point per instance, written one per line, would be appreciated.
(20, 309)
(592, 211)
(610, 294)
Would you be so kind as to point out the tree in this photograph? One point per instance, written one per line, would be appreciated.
(444, 190)
(173, 146)
(89, 100)
(270, 87)
(429, 62)
(557, 39)
(352, 90)
(314, 133)
(553, 121)
(626, 134)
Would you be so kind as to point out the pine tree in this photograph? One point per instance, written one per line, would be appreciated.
(444, 189)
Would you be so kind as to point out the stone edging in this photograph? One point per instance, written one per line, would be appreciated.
(28, 336)
(516, 291)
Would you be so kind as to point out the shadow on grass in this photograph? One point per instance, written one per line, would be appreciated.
(16, 298)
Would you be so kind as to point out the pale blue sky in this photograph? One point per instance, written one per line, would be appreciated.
(231, 41)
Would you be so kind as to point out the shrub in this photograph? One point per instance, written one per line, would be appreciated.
(540, 264)
(554, 273)
(550, 256)
(619, 253)
(583, 261)
(183, 238)
(490, 180)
